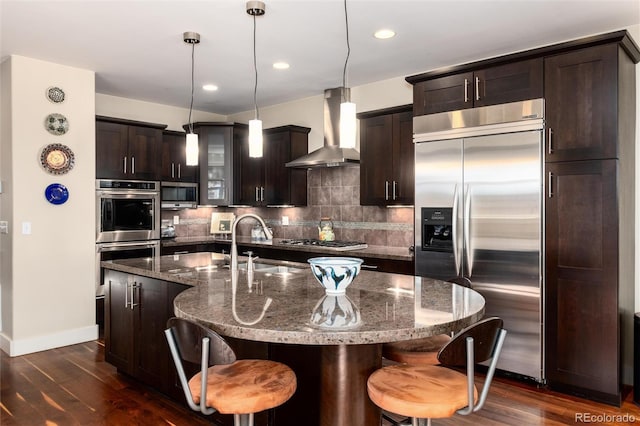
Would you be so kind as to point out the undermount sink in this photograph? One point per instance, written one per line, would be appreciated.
(271, 268)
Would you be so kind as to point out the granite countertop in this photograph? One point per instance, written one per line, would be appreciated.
(380, 252)
(280, 307)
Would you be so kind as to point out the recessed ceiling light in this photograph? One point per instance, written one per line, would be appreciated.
(384, 33)
(210, 87)
(281, 65)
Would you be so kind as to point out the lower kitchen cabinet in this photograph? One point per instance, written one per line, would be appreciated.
(136, 313)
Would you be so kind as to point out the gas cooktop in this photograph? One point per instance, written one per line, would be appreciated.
(333, 245)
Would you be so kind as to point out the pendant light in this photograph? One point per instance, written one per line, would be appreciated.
(255, 8)
(191, 38)
(347, 108)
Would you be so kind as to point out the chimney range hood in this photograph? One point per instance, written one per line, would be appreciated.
(330, 155)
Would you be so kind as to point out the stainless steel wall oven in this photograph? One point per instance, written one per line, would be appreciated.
(127, 222)
(127, 210)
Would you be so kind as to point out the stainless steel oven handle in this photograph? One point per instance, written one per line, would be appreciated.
(105, 247)
(126, 193)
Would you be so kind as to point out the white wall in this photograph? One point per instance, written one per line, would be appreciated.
(48, 293)
(131, 109)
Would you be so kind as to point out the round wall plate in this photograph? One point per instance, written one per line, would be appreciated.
(56, 193)
(57, 158)
(56, 124)
(55, 94)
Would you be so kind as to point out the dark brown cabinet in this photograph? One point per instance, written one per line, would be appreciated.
(510, 82)
(589, 211)
(266, 180)
(127, 149)
(217, 143)
(136, 313)
(387, 157)
(174, 159)
(582, 275)
(581, 104)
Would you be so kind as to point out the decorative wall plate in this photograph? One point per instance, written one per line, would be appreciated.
(57, 159)
(56, 193)
(56, 124)
(55, 94)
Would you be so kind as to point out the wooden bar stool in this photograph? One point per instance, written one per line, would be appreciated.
(436, 391)
(230, 386)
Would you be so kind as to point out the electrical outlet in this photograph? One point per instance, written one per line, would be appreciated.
(176, 220)
(285, 220)
(4, 227)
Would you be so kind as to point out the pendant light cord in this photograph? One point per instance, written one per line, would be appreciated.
(193, 49)
(255, 67)
(344, 71)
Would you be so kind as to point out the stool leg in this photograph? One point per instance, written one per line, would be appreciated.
(243, 419)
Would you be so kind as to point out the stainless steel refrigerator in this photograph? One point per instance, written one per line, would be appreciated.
(478, 214)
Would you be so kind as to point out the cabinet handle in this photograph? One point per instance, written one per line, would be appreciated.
(550, 145)
(369, 266)
(124, 165)
(395, 184)
(262, 193)
(126, 294)
(179, 174)
(466, 90)
(133, 288)
(550, 185)
(133, 165)
(173, 168)
(477, 88)
(386, 189)
(257, 194)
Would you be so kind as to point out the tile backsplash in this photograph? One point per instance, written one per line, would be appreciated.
(331, 192)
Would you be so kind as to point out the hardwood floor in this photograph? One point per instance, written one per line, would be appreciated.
(74, 386)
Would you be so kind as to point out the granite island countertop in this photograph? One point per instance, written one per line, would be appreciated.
(379, 252)
(282, 307)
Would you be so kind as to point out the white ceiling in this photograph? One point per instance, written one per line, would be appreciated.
(136, 47)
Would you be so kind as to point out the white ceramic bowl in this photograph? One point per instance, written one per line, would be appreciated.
(335, 273)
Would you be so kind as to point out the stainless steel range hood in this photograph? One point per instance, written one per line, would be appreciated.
(330, 155)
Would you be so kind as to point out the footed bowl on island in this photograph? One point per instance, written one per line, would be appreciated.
(335, 273)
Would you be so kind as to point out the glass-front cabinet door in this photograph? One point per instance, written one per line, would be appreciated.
(215, 158)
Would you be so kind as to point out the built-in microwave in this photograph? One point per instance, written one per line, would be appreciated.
(179, 195)
(127, 210)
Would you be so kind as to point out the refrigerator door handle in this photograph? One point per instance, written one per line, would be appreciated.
(467, 230)
(454, 230)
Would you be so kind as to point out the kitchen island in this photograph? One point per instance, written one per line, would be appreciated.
(333, 344)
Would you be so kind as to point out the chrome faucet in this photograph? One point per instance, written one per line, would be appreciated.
(234, 247)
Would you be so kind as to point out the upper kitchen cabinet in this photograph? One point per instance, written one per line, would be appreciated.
(174, 159)
(581, 92)
(266, 181)
(387, 157)
(216, 145)
(127, 149)
(434, 92)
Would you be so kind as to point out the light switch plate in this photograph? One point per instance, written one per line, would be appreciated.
(176, 220)
(26, 228)
(4, 227)
(285, 220)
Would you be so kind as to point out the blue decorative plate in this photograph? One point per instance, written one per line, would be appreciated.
(56, 193)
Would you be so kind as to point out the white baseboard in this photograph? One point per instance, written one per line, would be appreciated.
(49, 341)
